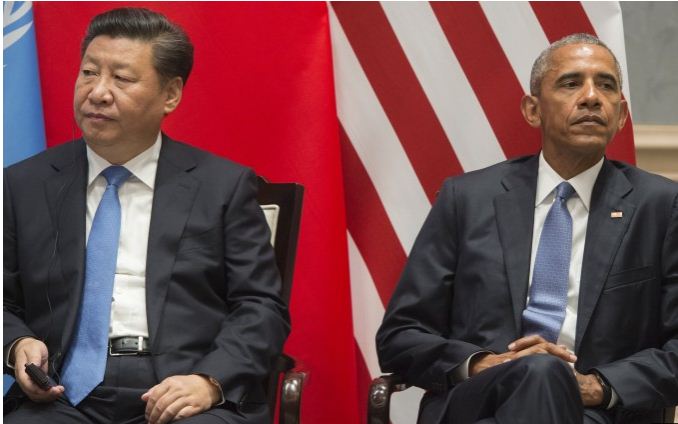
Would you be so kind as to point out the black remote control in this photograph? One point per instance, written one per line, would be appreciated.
(39, 377)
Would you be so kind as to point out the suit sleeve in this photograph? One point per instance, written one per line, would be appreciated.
(649, 378)
(413, 338)
(257, 322)
(13, 311)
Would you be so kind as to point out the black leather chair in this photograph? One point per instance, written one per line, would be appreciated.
(281, 203)
(381, 389)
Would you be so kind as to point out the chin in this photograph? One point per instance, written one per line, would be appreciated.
(590, 145)
(99, 140)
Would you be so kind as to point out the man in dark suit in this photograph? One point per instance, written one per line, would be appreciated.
(544, 289)
(177, 247)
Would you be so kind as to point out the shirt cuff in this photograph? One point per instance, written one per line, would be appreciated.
(215, 383)
(8, 350)
(613, 399)
(460, 373)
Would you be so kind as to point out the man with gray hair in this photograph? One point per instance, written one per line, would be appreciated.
(544, 289)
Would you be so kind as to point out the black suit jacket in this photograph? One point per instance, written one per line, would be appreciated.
(212, 286)
(465, 284)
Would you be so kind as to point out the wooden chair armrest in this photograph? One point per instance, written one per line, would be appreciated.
(290, 395)
(379, 397)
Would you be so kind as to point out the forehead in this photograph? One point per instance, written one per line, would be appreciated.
(581, 58)
(119, 49)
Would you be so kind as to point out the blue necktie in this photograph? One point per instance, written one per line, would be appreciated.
(85, 363)
(545, 311)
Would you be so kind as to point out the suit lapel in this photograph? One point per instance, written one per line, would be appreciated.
(175, 190)
(515, 215)
(67, 199)
(603, 238)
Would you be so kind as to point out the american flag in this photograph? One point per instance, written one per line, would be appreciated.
(424, 91)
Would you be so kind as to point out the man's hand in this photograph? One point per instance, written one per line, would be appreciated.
(529, 345)
(30, 350)
(590, 389)
(179, 396)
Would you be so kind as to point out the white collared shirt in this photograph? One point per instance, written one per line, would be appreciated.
(128, 306)
(579, 205)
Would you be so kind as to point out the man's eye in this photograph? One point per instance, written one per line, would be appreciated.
(570, 84)
(122, 78)
(88, 72)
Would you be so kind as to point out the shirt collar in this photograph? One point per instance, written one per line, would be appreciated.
(142, 166)
(548, 179)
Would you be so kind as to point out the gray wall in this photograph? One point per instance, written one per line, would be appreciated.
(651, 36)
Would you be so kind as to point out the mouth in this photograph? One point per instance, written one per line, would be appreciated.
(589, 120)
(98, 117)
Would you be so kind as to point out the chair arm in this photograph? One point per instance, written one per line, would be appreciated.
(290, 396)
(670, 415)
(379, 398)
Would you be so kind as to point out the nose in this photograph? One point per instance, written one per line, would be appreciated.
(100, 92)
(590, 96)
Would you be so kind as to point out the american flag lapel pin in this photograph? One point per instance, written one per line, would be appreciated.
(616, 214)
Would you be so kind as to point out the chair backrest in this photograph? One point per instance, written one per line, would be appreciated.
(281, 204)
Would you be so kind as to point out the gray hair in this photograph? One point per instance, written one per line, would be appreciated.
(543, 62)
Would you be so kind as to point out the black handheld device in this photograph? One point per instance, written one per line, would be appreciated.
(39, 377)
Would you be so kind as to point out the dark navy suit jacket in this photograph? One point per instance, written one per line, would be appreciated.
(212, 286)
(465, 284)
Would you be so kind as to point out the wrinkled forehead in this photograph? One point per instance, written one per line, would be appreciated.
(584, 59)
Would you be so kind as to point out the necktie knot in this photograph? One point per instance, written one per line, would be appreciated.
(116, 175)
(564, 190)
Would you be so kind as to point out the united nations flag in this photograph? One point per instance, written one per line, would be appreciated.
(23, 125)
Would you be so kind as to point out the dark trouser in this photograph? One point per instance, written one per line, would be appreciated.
(118, 400)
(532, 390)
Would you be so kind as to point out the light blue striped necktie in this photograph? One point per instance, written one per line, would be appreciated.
(545, 311)
(85, 362)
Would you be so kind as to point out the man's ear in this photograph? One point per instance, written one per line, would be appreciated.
(623, 114)
(529, 106)
(172, 91)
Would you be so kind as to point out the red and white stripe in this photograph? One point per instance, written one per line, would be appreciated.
(425, 91)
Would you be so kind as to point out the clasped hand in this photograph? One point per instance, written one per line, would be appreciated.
(179, 396)
(589, 387)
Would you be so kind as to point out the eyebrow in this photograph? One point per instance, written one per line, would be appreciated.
(115, 65)
(603, 75)
(607, 76)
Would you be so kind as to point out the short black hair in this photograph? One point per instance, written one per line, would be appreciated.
(172, 49)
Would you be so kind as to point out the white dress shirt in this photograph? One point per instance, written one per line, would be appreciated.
(128, 306)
